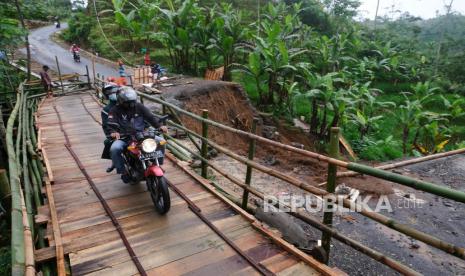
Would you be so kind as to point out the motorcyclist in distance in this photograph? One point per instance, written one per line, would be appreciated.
(126, 119)
(74, 50)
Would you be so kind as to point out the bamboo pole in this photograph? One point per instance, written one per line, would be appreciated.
(248, 174)
(389, 222)
(28, 193)
(354, 244)
(28, 244)
(34, 158)
(2, 129)
(88, 77)
(179, 121)
(17, 237)
(19, 134)
(330, 188)
(35, 186)
(410, 162)
(59, 75)
(404, 163)
(204, 143)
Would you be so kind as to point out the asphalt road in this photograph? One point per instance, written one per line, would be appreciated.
(44, 50)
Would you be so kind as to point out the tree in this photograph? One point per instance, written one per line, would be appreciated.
(26, 39)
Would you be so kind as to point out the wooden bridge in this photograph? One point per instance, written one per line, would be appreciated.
(74, 217)
(176, 243)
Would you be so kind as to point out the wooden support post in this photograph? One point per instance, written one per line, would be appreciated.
(130, 81)
(248, 175)
(204, 144)
(88, 77)
(59, 75)
(330, 203)
(93, 69)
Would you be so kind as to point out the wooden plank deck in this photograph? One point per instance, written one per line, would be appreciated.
(174, 244)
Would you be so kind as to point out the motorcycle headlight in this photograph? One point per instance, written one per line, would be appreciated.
(149, 145)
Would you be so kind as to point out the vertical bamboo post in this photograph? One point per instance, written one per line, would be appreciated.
(59, 75)
(93, 69)
(204, 143)
(130, 81)
(248, 175)
(88, 77)
(330, 187)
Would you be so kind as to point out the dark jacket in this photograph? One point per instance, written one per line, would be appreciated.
(130, 121)
(104, 115)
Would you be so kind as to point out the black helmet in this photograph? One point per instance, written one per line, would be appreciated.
(126, 94)
(110, 88)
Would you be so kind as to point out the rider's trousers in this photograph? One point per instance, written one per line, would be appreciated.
(116, 151)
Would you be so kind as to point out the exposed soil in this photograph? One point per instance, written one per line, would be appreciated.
(228, 104)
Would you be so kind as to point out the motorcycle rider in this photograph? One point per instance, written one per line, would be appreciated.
(126, 119)
(74, 50)
(110, 93)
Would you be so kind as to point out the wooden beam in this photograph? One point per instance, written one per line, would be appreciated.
(56, 230)
(47, 166)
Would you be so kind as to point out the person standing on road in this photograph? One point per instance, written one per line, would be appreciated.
(121, 69)
(46, 81)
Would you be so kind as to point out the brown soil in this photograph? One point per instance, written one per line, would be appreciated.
(228, 104)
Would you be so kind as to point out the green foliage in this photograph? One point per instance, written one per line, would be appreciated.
(310, 58)
(381, 150)
(79, 28)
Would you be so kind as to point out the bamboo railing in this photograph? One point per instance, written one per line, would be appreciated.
(325, 226)
(26, 172)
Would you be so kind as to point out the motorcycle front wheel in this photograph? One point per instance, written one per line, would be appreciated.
(159, 193)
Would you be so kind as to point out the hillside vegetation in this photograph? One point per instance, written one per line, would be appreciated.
(394, 86)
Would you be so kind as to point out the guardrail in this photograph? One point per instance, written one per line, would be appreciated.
(333, 163)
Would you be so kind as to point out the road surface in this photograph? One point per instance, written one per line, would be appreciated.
(44, 50)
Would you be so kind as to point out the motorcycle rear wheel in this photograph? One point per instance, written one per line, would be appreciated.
(159, 193)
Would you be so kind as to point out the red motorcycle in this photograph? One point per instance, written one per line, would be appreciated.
(143, 159)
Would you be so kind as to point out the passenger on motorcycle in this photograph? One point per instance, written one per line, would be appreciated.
(126, 119)
(109, 92)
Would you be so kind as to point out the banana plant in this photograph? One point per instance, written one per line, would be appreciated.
(434, 134)
(203, 34)
(254, 69)
(178, 24)
(230, 32)
(364, 122)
